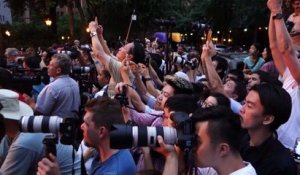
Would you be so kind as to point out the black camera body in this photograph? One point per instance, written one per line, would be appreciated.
(65, 128)
(81, 70)
(29, 76)
(185, 130)
(185, 62)
(122, 97)
(50, 142)
(289, 25)
(127, 136)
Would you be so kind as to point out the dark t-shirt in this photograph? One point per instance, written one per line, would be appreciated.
(270, 158)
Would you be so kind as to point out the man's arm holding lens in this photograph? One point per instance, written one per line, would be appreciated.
(169, 152)
(48, 166)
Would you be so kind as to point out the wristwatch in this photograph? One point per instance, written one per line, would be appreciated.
(278, 16)
(92, 34)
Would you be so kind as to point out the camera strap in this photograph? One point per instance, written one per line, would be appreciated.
(82, 166)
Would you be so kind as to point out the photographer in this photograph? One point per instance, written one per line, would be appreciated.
(101, 114)
(32, 63)
(61, 97)
(11, 55)
(24, 150)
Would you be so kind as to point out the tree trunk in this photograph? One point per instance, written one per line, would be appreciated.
(52, 14)
(71, 19)
(2, 45)
(83, 23)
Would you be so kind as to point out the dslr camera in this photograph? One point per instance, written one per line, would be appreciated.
(127, 136)
(66, 128)
(122, 97)
(185, 62)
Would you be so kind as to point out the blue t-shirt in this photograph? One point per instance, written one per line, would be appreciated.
(254, 66)
(119, 163)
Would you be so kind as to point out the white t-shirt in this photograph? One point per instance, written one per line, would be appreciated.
(289, 131)
(247, 170)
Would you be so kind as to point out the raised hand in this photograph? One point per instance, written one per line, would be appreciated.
(93, 25)
(275, 6)
(48, 167)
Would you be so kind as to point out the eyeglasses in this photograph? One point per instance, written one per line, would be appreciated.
(206, 104)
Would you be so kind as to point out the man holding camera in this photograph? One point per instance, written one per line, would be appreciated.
(61, 97)
(101, 114)
(20, 152)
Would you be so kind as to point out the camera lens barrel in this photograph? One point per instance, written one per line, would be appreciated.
(43, 124)
(126, 136)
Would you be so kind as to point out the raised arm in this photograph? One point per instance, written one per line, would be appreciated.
(210, 72)
(277, 57)
(134, 97)
(98, 49)
(154, 76)
(145, 71)
(284, 40)
(99, 31)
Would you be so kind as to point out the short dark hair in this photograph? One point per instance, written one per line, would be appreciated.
(180, 85)
(223, 125)
(222, 65)
(33, 62)
(106, 73)
(64, 62)
(222, 100)
(238, 73)
(276, 101)
(265, 77)
(106, 112)
(138, 52)
(240, 90)
(182, 102)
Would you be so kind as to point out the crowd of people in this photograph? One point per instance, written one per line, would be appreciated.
(241, 121)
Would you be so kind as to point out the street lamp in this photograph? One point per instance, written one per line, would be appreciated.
(7, 32)
(48, 22)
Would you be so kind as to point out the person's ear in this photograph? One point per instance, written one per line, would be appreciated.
(102, 132)
(58, 70)
(268, 119)
(223, 149)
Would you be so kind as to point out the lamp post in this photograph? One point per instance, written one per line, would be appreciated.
(48, 22)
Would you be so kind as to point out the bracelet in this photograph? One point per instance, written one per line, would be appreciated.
(130, 86)
(148, 79)
(96, 62)
(277, 16)
(92, 34)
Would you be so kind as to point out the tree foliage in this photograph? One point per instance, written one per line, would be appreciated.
(115, 15)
